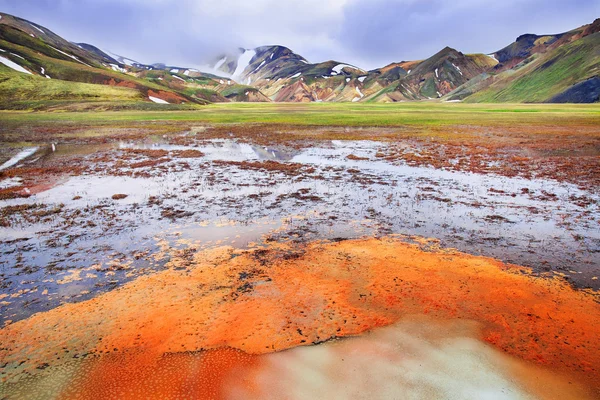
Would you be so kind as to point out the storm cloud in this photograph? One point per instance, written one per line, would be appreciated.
(367, 33)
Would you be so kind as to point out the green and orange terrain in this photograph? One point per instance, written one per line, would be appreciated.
(549, 68)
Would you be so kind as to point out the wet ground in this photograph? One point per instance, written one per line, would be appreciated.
(74, 236)
(80, 218)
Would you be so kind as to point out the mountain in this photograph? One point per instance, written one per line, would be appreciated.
(436, 76)
(283, 75)
(551, 68)
(39, 69)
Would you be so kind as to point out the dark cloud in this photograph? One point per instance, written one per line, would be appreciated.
(368, 33)
(379, 31)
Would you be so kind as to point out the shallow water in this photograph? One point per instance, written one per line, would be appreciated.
(23, 154)
(208, 203)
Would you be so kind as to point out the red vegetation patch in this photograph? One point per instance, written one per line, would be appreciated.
(120, 83)
(274, 299)
(169, 97)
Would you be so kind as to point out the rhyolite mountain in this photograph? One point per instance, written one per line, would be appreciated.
(39, 69)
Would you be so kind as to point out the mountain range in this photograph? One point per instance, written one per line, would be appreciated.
(39, 69)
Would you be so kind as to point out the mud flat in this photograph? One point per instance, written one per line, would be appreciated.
(233, 316)
(82, 219)
(253, 261)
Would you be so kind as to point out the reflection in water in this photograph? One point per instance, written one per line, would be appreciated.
(23, 154)
(340, 190)
(221, 149)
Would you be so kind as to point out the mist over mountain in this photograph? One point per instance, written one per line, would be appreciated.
(558, 67)
(369, 33)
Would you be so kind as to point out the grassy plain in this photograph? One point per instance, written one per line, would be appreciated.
(332, 114)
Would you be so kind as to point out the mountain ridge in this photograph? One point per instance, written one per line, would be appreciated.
(277, 73)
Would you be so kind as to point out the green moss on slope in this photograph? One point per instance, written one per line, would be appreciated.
(549, 75)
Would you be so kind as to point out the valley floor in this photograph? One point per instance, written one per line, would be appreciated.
(274, 250)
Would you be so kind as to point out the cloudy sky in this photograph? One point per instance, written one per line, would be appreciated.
(367, 33)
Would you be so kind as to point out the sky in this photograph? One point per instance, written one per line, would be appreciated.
(365, 33)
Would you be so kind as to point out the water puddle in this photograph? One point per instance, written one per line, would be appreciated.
(22, 155)
(219, 149)
(241, 195)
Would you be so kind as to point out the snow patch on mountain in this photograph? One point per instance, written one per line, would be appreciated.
(14, 65)
(33, 26)
(157, 100)
(457, 68)
(261, 64)
(69, 55)
(359, 92)
(243, 62)
(116, 68)
(338, 68)
(220, 63)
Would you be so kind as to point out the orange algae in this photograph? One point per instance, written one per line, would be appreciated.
(277, 298)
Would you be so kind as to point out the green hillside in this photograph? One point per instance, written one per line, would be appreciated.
(548, 75)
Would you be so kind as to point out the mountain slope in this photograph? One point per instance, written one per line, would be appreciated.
(564, 71)
(535, 68)
(547, 76)
(529, 44)
(283, 75)
(33, 49)
(435, 76)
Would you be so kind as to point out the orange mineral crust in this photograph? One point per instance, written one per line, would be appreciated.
(281, 297)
